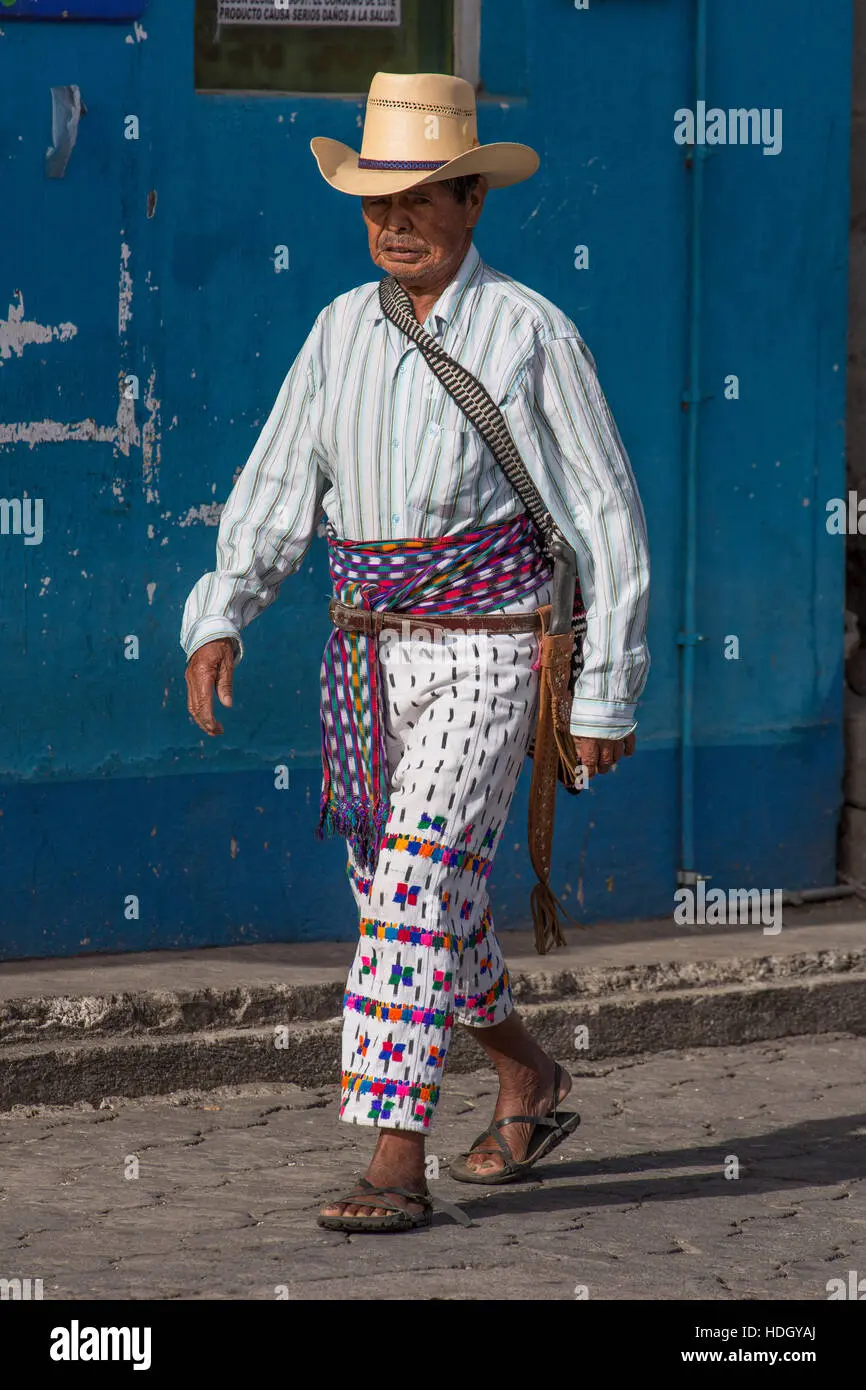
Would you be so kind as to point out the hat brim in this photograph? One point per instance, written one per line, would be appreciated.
(502, 164)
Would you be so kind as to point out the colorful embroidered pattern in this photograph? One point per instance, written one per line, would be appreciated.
(478, 1001)
(361, 883)
(417, 936)
(396, 1013)
(439, 854)
(406, 895)
(384, 1086)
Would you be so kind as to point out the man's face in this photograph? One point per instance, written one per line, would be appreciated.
(421, 232)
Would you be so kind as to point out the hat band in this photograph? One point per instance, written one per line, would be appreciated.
(401, 163)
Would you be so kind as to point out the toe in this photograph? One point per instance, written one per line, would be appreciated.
(484, 1162)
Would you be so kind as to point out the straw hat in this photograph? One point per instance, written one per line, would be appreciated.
(419, 128)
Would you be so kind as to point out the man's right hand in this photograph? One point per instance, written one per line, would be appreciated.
(212, 665)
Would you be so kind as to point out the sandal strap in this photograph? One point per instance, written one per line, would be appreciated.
(449, 1209)
(528, 1120)
(557, 1078)
(368, 1190)
(423, 1199)
(550, 1119)
(491, 1132)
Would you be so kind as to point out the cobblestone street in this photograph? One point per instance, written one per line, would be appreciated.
(637, 1205)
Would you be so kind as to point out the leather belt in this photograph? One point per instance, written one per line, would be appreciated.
(371, 622)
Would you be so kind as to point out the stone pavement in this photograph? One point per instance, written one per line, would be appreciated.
(637, 1205)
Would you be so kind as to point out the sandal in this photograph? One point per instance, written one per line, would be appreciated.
(548, 1131)
(398, 1219)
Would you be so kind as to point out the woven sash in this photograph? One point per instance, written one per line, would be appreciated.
(474, 572)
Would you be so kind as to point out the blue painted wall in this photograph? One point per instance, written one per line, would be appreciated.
(154, 257)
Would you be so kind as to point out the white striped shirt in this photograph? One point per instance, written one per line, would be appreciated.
(362, 430)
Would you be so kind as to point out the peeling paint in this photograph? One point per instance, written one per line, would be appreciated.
(127, 433)
(208, 514)
(16, 332)
(56, 432)
(151, 442)
(124, 291)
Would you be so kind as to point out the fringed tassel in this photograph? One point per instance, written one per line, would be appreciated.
(359, 822)
(546, 918)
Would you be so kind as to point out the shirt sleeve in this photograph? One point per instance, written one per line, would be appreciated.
(568, 438)
(271, 514)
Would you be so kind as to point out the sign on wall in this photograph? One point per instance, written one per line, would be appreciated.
(72, 9)
(355, 14)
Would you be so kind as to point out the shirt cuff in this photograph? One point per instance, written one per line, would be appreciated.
(208, 630)
(601, 718)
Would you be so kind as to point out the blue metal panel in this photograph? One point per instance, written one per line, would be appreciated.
(153, 257)
(73, 9)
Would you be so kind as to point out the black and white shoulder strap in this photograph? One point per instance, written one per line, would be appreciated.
(482, 411)
(475, 402)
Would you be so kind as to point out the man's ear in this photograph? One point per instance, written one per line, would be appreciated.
(476, 199)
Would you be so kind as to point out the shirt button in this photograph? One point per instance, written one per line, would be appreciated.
(395, 519)
(396, 443)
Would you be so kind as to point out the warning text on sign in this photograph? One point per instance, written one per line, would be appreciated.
(355, 14)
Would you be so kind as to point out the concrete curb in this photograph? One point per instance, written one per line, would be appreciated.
(135, 1063)
(86, 1017)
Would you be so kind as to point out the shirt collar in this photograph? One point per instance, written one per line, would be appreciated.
(446, 306)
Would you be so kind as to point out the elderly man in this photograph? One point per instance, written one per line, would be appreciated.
(423, 745)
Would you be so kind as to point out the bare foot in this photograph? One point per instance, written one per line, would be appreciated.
(399, 1159)
(522, 1091)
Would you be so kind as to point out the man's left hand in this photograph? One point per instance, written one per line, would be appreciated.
(601, 754)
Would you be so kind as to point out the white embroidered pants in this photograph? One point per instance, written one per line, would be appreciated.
(459, 711)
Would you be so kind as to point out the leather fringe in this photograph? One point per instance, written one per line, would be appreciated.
(546, 919)
(554, 757)
(567, 752)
